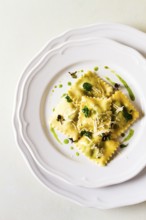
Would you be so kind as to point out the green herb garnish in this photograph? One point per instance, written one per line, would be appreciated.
(86, 111)
(73, 75)
(116, 86)
(87, 86)
(126, 114)
(60, 118)
(86, 133)
(71, 140)
(123, 145)
(105, 137)
(68, 98)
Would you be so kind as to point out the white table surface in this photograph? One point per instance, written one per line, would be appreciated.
(25, 26)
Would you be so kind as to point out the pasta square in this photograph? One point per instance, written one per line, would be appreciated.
(124, 114)
(64, 118)
(89, 85)
(96, 150)
(95, 115)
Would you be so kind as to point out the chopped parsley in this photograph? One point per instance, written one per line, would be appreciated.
(87, 86)
(86, 111)
(73, 74)
(68, 98)
(126, 114)
(86, 133)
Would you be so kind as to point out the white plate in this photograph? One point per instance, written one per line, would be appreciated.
(38, 102)
(130, 192)
(124, 194)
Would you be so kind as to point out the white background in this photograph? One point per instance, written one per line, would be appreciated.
(25, 26)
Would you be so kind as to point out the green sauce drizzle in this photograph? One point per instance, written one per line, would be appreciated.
(129, 136)
(53, 90)
(55, 87)
(71, 148)
(64, 94)
(55, 135)
(106, 67)
(77, 154)
(53, 109)
(60, 86)
(96, 68)
(131, 94)
(66, 141)
(69, 83)
(109, 80)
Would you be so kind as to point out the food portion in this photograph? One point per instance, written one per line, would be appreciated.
(93, 115)
(90, 84)
(98, 150)
(65, 118)
(124, 114)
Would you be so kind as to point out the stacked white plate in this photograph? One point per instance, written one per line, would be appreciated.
(123, 181)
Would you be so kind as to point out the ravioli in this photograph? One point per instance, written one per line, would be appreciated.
(97, 150)
(95, 115)
(64, 119)
(124, 114)
(99, 88)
